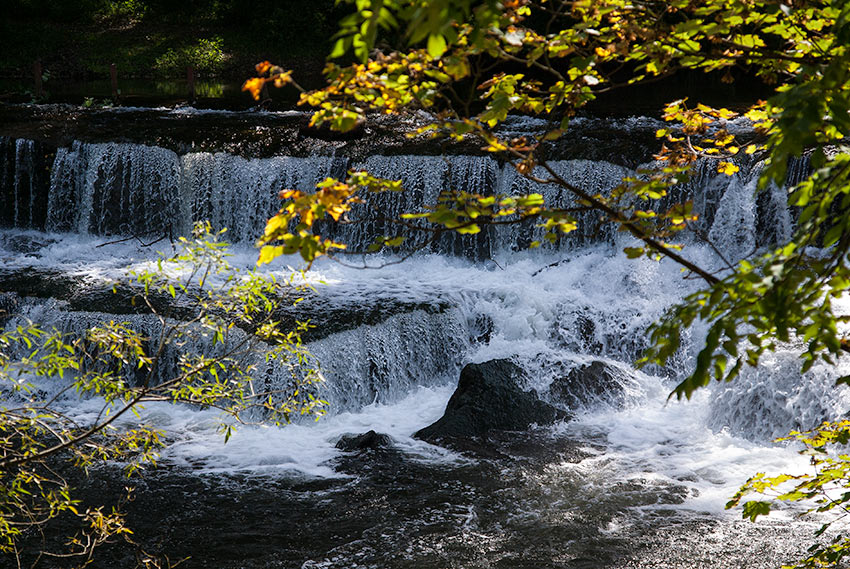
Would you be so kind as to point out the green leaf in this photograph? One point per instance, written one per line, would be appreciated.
(436, 45)
(753, 509)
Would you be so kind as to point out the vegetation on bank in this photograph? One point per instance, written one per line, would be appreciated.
(158, 39)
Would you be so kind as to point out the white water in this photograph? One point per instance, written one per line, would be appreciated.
(133, 189)
(710, 444)
(395, 377)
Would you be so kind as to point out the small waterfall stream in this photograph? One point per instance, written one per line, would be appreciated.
(634, 460)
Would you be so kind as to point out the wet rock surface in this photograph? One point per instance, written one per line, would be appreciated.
(38, 283)
(488, 398)
(588, 384)
(325, 315)
(26, 244)
(262, 134)
(369, 440)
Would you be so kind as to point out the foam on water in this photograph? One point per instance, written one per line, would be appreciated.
(195, 440)
(671, 444)
(563, 307)
(534, 314)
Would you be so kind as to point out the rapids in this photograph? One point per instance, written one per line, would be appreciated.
(619, 486)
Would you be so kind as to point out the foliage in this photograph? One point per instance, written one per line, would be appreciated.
(193, 296)
(207, 56)
(826, 488)
(81, 39)
(801, 49)
(468, 65)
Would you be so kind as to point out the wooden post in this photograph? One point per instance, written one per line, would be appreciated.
(36, 75)
(190, 80)
(113, 75)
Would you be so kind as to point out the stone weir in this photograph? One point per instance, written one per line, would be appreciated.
(260, 134)
(153, 172)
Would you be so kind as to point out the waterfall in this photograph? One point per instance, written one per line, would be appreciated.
(769, 400)
(567, 304)
(22, 182)
(133, 189)
(593, 177)
(380, 362)
(115, 189)
(241, 194)
(424, 178)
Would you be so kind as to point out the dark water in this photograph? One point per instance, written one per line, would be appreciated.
(513, 503)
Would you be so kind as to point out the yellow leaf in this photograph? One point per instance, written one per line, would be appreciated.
(727, 168)
(273, 224)
(289, 194)
(269, 253)
(282, 79)
(254, 86)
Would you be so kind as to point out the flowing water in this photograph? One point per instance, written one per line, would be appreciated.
(634, 480)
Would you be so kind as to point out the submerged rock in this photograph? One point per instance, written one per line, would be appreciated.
(488, 398)
(27, 244)
(369, 440)
(39, 283)
(9, 302)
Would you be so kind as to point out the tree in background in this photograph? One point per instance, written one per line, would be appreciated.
(469, 64)
(214, 335)
(159, 38)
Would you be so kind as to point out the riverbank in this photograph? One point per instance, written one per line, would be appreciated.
(151, 51)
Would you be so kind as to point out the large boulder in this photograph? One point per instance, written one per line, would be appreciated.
(488, 398)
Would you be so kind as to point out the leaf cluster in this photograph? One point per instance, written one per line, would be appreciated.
(219, 328)
(471, 66)
(824, 490)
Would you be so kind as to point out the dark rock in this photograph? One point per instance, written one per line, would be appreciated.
(586, 385)
(262, 135)
(324, 131)
(123, 299)
(9, 302)
(40, 283)
(367, 441)
(489, 398)
(327, 315)
(27, 244)
(332, 314)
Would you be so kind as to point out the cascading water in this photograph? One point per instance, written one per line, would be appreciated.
(132, 189)
(241, 194)
(21, 182)
(573, 305)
